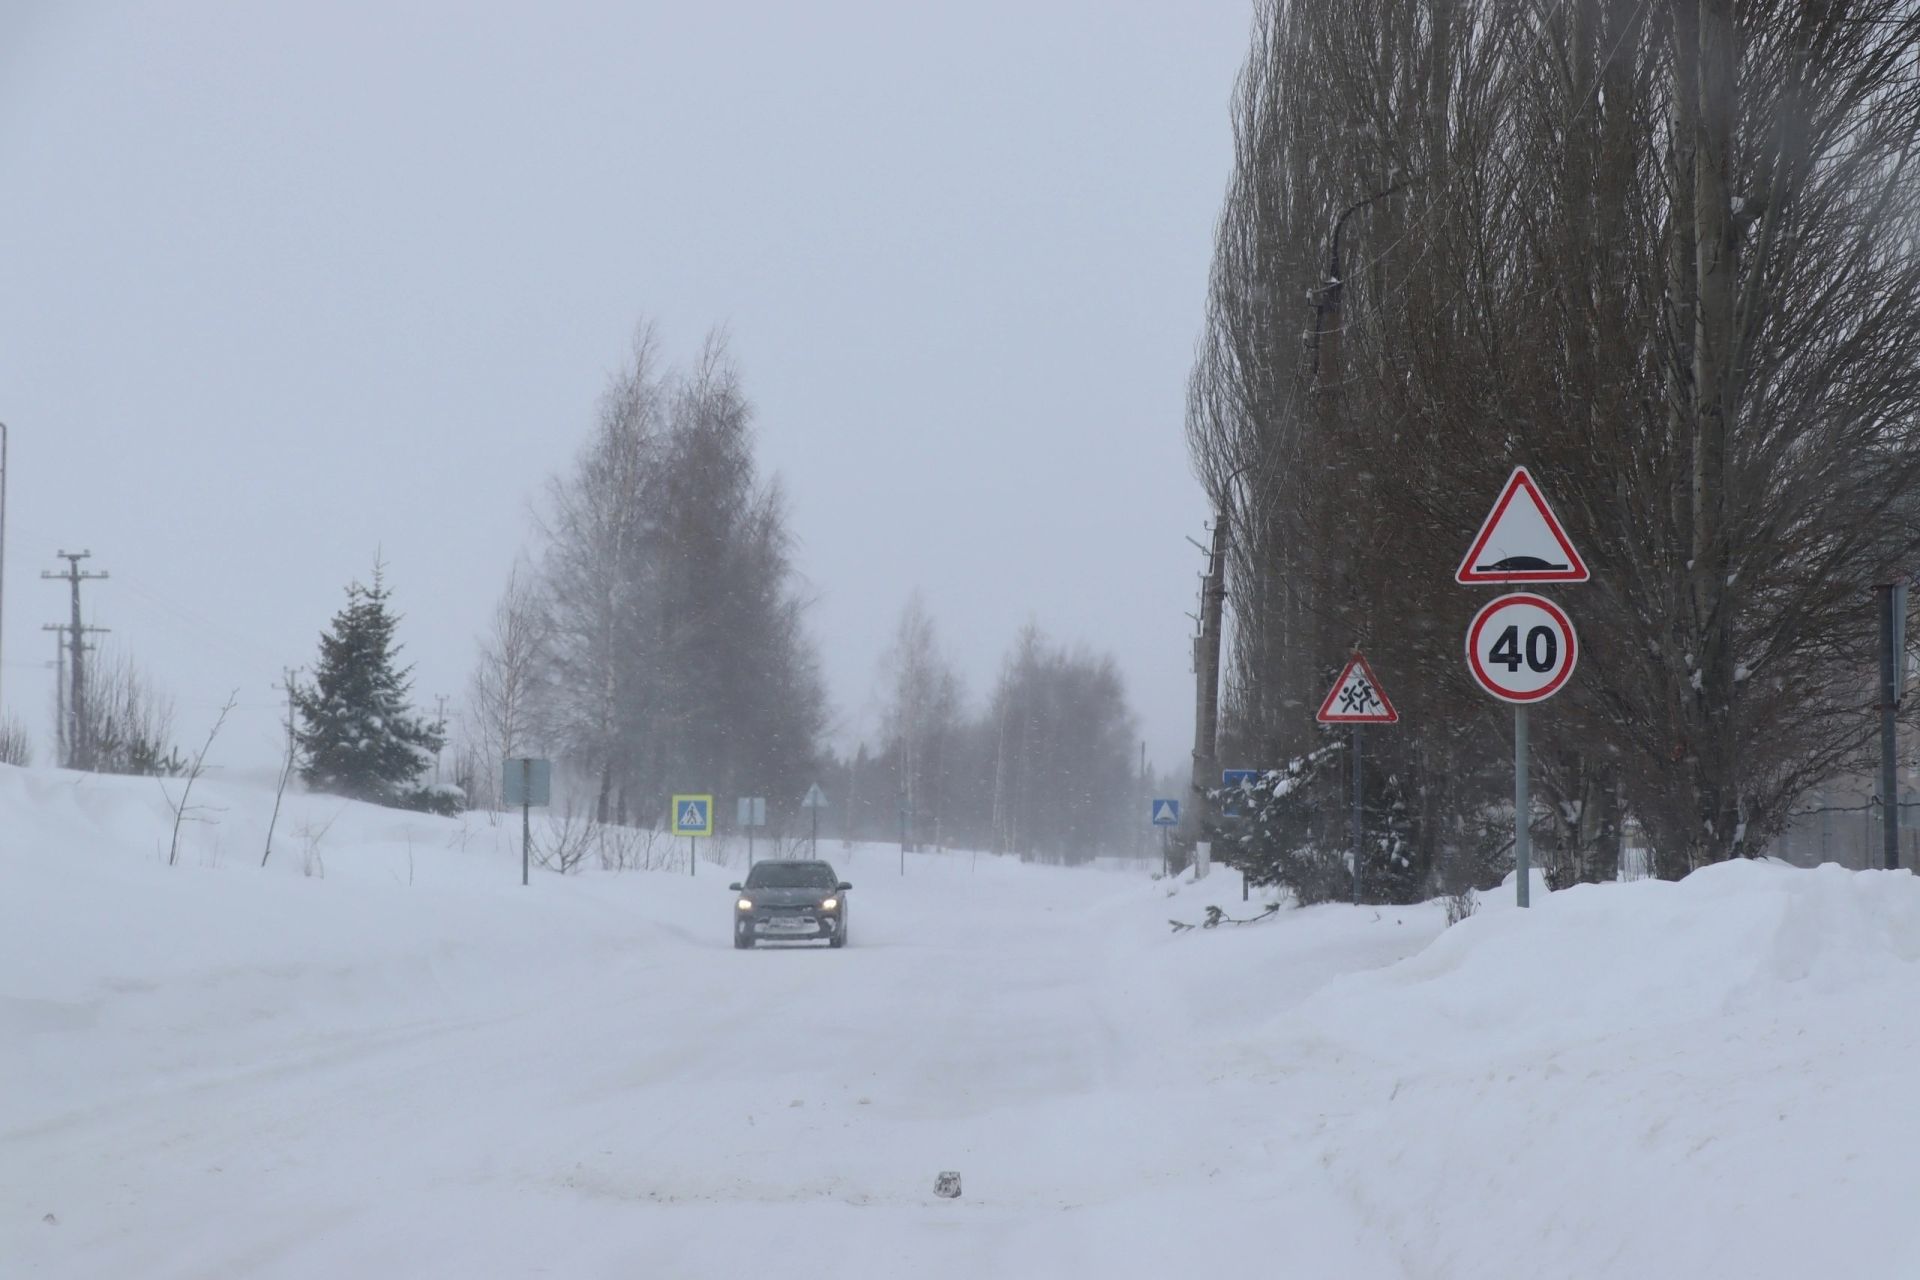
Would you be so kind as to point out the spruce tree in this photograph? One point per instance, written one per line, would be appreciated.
(358, 737)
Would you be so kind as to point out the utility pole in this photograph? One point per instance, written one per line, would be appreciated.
(289, 685)
(288, 682)
(440, 727)
(1892, 601)
(66, 712)
(63, 732)
(1143, 800)
(1206, 668)
(3, 530)
(59, 665)
(82, 741)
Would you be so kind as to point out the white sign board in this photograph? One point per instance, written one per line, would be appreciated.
(1522, 647)
(1357, 698)
(1521, 540)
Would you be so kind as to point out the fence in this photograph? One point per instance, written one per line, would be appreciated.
(1847, 834)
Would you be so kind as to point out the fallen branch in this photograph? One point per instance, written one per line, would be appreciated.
(1217, 917)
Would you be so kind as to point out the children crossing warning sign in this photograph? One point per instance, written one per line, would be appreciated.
(1357, 698)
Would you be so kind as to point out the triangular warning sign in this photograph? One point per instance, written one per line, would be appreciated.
(1521, 540)
(1357, 698)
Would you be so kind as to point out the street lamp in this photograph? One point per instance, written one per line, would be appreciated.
(1328, 303)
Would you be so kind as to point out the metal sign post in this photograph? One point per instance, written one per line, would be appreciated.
(1359, 813)
(1893, 608)
(1357, 699)
(692, 817)
(1522, 806)
(526, 782)
(750, 812)
(1521, 648)
(815, 801)
(1527, 636)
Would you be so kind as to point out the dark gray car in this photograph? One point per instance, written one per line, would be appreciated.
(790, 902)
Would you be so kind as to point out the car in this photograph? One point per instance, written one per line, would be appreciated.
(790, 902)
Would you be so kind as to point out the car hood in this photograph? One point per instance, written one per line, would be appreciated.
(786, 897)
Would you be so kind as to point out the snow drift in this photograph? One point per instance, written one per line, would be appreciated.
(381, 1056)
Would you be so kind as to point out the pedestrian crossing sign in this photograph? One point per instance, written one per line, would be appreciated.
(693, 815)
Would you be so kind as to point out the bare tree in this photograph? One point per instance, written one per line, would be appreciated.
(679, 658)
(1666, 255)
(504, 696)
(129, 721)
(16, 748)
(921, 718)
(184, 809)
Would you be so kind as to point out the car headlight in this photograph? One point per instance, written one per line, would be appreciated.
(830, 904)
(745, 904)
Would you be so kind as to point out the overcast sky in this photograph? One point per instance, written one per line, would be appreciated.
(281, 285)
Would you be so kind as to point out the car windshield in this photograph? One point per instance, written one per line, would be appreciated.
(791, 875)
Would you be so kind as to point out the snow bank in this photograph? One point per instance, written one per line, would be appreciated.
(1600, 960)
(382, 1056)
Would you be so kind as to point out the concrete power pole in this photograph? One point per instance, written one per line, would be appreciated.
(3, 526)
(81, 741)
(63, 712)
(440, 727)
(59, 665)
(1206, 669)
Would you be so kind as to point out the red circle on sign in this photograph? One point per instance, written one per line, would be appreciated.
(1567, 646)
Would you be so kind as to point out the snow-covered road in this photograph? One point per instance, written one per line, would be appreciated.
(411, 1066)
(616, 1091)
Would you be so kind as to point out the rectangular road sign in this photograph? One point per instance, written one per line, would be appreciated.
(693, 815)
(1230, 782)
(526, 781)
(751, 811)
(1166, 813)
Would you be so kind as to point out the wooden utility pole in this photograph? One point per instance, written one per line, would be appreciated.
(1206, 671)
(82, 740)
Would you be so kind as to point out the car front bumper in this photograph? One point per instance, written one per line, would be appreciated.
(770, 927)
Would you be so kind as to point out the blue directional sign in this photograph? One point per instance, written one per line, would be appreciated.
(1230, 782)
(1166, 813)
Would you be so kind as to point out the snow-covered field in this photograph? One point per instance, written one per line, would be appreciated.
(412, 1066)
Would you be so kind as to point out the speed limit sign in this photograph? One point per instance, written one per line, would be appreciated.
(1521, 648)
